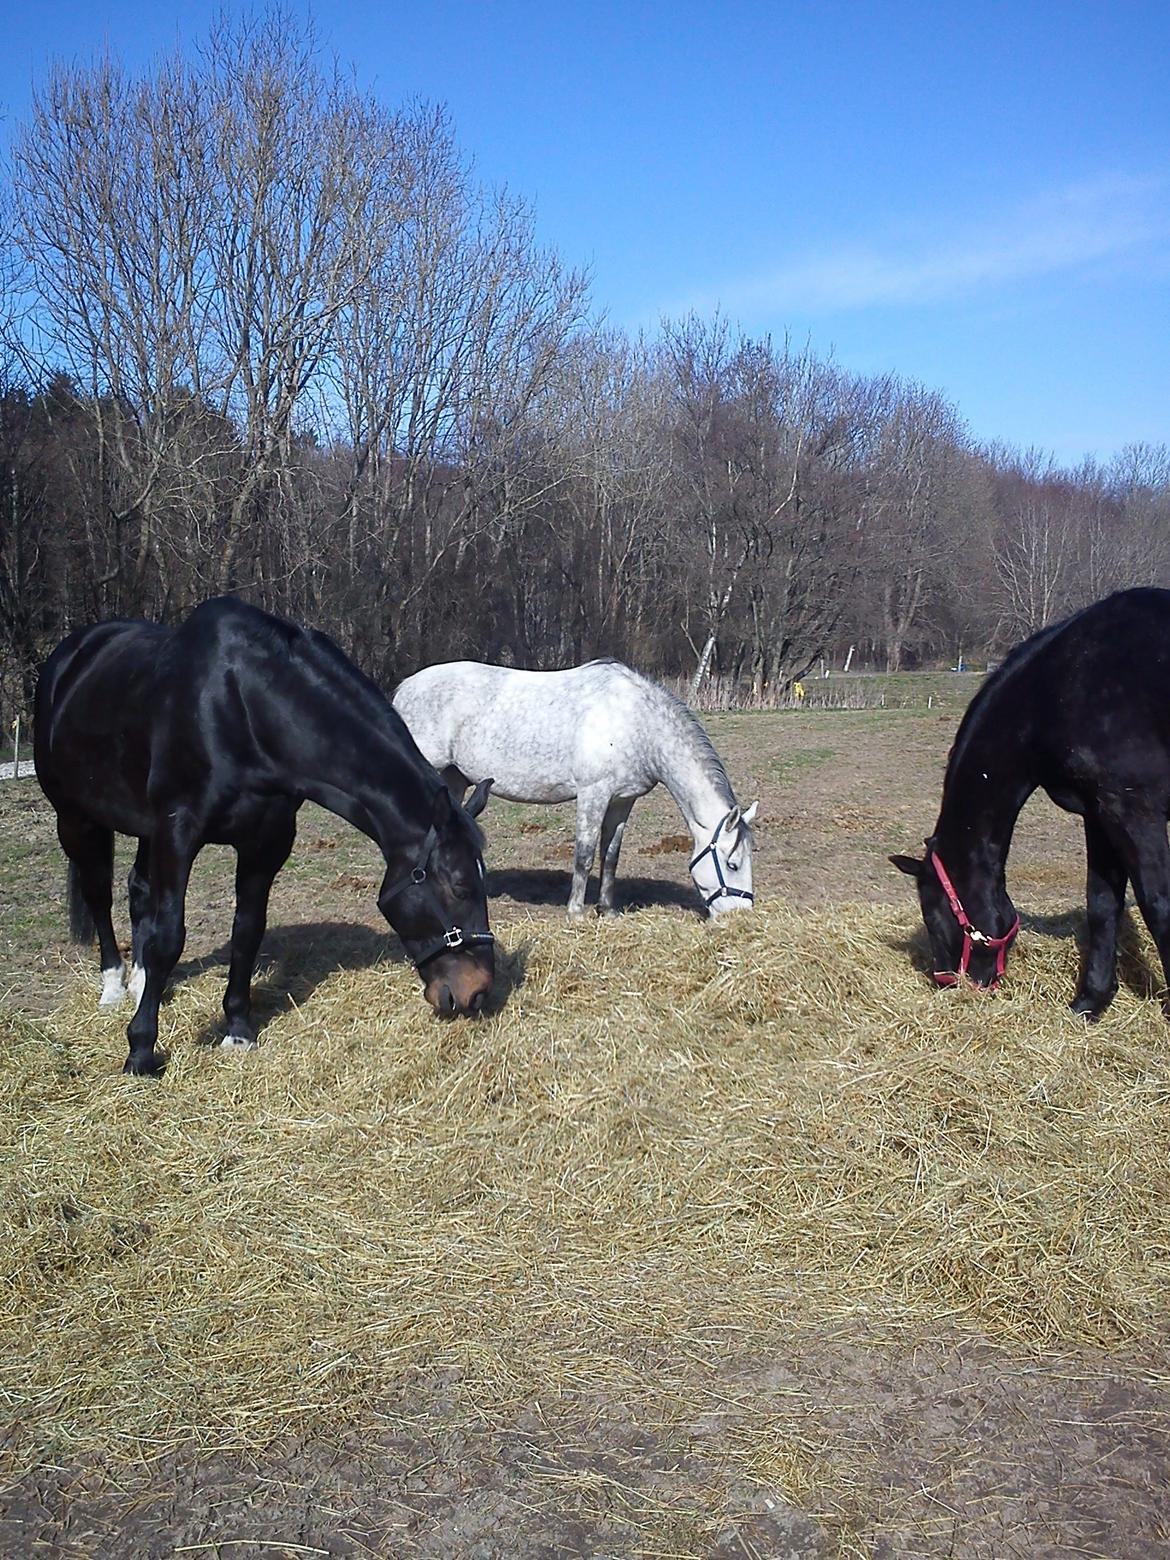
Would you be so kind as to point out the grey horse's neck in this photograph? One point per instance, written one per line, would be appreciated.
(691, 770)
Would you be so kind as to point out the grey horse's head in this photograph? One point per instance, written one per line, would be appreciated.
(722, 868)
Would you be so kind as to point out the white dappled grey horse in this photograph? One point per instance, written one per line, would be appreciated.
(599, 733)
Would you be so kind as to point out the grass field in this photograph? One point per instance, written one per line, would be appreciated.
(715, 1241)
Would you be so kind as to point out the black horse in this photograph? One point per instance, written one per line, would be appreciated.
(217, 731)
(1082, 710)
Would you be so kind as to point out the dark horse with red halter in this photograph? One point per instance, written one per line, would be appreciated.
(1082, 711)
(217, 731)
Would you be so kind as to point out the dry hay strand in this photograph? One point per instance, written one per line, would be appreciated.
(675, 1144)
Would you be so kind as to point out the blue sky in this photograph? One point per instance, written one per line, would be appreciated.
(977, 197)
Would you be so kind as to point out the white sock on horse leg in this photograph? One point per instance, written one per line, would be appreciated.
(113, 986)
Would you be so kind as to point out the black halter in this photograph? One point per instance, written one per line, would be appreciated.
(454, 937)
(723, 891)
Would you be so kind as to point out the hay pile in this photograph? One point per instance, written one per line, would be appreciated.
(673, 1143)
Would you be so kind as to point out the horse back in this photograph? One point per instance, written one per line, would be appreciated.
(1083, 705)
(542, 736)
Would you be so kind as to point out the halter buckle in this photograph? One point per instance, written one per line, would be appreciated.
(453, 938)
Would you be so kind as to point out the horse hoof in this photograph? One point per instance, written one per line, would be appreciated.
(1090, 1008)
(144, 1064)
(237, 1043)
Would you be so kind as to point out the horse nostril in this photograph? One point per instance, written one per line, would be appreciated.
(475, 1006)
(447, 1002)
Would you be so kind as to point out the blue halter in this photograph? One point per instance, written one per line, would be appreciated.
(723, 891)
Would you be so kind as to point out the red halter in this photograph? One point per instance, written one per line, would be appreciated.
(970, 934)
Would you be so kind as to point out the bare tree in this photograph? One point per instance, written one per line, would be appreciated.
(913, 507)
(764, 448)
(441, 367)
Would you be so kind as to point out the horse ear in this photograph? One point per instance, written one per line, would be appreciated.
(443, 807)
(732, 821)
(908, 864)
(751, 813)
(478, 799)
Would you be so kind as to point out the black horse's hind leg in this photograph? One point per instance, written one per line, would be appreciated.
(1140, 837)
(257, 864)
(173, 848)
(90, 850)
(1104, 898)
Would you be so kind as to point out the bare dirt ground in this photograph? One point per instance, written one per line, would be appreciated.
(970, 1452)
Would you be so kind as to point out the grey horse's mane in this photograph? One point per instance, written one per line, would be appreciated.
(704, 748)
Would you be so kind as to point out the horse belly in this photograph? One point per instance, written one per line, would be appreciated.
(537, 773)
(541, 738)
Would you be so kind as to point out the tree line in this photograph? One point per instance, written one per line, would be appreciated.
(261, 333)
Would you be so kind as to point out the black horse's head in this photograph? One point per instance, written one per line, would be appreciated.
(439, 907)
(959, 947)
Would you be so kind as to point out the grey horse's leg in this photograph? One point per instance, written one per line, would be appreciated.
(591, 806)
(456, 782)
(612, 828)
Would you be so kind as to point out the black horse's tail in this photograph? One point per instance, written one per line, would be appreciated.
(81, 923)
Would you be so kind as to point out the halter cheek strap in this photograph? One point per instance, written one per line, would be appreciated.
(723, 891)
(454, 936)
(970, 934)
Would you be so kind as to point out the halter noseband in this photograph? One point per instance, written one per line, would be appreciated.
(970, 934)
(454, 937)
(723, 891)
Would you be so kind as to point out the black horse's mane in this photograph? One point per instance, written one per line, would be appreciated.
(1017, 657)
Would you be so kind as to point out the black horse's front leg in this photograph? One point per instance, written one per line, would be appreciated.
(257, 864)
(174, 846)
(1104, 900)
(138, 892)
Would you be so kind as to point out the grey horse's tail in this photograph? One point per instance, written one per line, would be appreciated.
(81, 922)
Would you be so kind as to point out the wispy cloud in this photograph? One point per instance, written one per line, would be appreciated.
(1063, 232)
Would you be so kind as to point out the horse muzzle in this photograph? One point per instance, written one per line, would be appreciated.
(458, 986)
